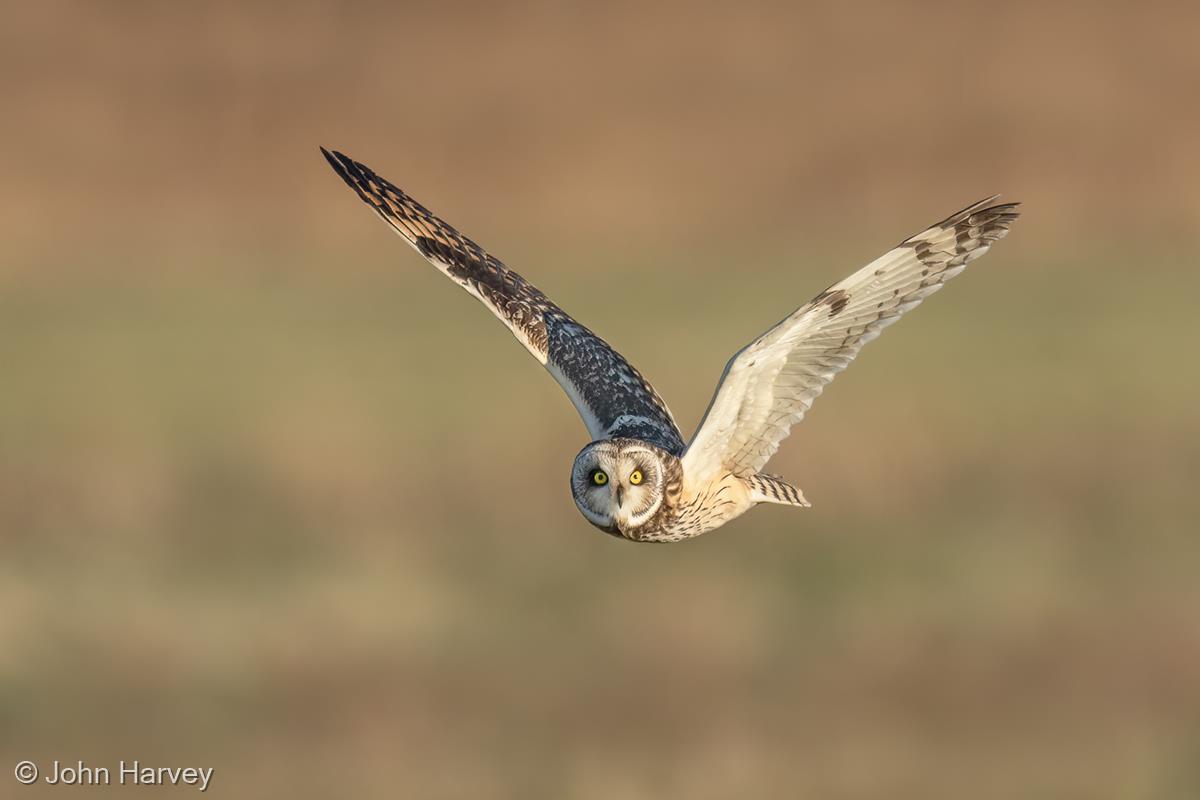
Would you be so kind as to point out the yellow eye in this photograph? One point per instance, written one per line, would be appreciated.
(635, 477)
(599, 478)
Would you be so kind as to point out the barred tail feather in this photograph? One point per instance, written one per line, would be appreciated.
(774, 489)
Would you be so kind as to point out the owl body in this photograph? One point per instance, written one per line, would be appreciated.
(708, 504)
(638, 478)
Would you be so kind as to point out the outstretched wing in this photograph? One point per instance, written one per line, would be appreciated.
(769, 385)
(611, 396)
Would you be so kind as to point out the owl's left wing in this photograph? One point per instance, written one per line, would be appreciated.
(612, 397)
(769, 385)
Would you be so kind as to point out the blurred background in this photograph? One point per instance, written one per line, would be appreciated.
(278, 499)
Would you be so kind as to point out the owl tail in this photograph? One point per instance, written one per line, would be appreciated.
(774, 489)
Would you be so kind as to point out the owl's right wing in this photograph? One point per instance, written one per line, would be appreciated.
(769, 385)
(612, 397)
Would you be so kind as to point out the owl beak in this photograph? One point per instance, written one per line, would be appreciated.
(620, 496)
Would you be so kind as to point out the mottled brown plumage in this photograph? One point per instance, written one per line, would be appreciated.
(611, 395)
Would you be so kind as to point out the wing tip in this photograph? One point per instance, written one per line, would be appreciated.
(981, 207)
(357, 176)
(342, 164)
(994, 220)
(986, 213)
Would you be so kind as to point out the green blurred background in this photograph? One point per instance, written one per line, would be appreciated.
(278, 499)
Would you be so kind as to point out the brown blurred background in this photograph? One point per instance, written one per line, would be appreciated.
(277, 499)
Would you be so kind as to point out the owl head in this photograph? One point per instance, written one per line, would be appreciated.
(620, 484)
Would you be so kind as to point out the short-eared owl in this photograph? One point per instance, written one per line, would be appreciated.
(638, 479)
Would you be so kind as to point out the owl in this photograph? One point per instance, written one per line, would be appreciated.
(638, 479)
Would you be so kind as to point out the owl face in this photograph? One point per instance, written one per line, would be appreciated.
(618, 484)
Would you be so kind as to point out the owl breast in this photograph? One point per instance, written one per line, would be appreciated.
(698, 508)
